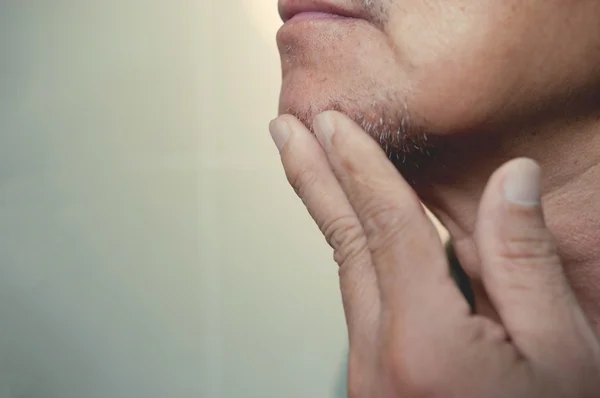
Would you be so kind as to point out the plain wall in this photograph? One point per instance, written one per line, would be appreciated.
(149, 244)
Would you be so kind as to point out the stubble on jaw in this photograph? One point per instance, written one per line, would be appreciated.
(377, 9)
(408, 144)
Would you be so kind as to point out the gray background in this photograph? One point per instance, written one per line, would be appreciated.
(149, 244)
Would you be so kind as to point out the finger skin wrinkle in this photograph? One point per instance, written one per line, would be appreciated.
(534, 249)
(347, 239)
(302, 180)
(341, 231)
(385, 227)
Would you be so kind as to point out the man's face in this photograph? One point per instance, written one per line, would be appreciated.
(438, 66)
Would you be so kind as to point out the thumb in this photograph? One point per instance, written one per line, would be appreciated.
(521, 268)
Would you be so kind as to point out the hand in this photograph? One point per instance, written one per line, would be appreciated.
(411, 332)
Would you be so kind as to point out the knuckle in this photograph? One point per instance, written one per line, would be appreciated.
(340, 230)
(384, 223)
(345, 235)
(302, 180)
(529, 248)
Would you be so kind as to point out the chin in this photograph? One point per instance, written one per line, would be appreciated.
(342, 65)
(385, 114)
(305, 100)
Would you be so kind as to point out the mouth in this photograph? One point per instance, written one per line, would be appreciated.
(316, 9)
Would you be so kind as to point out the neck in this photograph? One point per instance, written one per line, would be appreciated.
(452, 181)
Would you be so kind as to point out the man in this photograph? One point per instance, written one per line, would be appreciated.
(488, 109)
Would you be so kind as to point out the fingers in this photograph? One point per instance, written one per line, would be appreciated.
(405, 246)
(521, 268)
(308, 171)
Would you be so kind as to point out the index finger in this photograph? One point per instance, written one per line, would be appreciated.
(405, 246)
(309, 173)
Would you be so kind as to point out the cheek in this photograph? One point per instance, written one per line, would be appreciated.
(454, 71)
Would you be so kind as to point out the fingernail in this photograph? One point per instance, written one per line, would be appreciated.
(280, 132)
(522, 184)
(324, 129)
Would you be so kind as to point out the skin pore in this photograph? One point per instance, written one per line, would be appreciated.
(454, 88)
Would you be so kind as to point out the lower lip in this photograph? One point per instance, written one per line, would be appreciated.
(312, 16)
